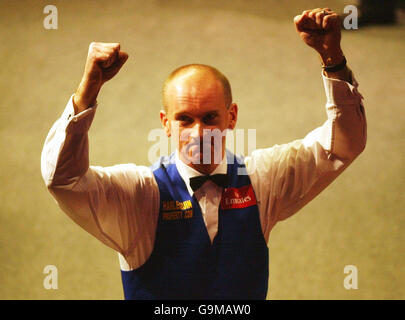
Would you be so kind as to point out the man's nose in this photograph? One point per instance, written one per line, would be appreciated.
(197, 130)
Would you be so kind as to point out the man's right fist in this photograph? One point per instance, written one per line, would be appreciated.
(104, 60)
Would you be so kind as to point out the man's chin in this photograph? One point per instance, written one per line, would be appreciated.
(202, 168)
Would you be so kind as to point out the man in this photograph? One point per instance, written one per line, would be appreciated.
(187, 228)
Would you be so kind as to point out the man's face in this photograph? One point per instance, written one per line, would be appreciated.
(196, 106)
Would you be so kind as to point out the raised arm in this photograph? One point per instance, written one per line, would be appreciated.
(119, 204)
(320, 29)
(104, 60)
(286, 177)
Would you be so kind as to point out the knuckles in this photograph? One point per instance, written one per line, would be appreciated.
(99, 51)
(316, 17)
(103, 61)
(106, 47)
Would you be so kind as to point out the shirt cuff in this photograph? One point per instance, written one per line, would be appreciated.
(339, 92)
(79, 123)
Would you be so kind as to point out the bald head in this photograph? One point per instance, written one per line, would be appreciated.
(200, 75)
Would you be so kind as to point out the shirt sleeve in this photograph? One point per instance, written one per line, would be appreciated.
(119, 205)
(286, 177)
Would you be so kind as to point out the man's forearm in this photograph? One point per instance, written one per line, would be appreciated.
(334, 58)
(85, 96)
(65, 152)
(344, 75)
(346, 117)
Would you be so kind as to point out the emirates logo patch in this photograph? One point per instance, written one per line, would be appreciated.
(236, 198)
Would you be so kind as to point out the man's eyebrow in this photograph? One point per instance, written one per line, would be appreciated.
(181, 113)
(185, 113)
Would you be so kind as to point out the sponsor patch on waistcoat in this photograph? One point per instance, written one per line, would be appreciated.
(236, 198)
(176, 210)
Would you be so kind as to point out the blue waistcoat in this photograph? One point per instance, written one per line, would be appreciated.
(184, 264)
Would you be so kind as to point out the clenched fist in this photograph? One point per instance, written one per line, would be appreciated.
(320, 29)
(104, 60)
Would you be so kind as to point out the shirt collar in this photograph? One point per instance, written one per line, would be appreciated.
(186, 172)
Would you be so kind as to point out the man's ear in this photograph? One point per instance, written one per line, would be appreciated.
(233, 115)
(165, 123)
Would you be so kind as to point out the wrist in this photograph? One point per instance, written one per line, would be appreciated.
(331, 57)
(85, 96)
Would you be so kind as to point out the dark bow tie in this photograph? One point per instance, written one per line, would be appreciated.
(220, 179)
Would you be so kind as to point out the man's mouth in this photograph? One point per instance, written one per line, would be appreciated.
(194, 151)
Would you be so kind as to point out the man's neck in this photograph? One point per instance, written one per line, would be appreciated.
(204, 168)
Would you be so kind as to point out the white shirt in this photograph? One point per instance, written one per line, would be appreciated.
(208, 195)
(119, 205)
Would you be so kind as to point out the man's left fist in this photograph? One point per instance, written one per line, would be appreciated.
(320, 29)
